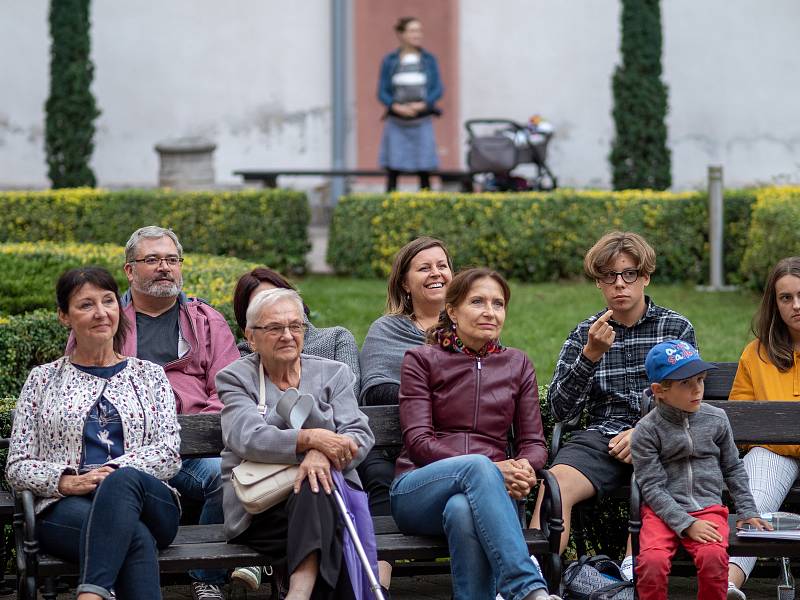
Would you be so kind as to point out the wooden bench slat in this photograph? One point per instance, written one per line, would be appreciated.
(198, 534)
(763, 422)
(720, 380)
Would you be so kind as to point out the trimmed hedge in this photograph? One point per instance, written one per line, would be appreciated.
(773, 233)
(25, 342)
(536, 236)
(268, 226)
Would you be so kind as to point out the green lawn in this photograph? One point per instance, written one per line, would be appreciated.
(542, 315)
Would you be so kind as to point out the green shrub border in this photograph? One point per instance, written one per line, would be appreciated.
(536, 237)
(268, 226)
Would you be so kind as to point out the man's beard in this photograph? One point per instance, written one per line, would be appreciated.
(160, 288)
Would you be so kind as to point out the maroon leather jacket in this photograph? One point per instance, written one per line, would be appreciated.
(452, 404)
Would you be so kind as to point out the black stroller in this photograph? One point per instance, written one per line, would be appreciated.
(498, 146)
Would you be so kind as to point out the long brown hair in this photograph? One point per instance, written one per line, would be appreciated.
(768, 326)
(398, 301)
(457, 291)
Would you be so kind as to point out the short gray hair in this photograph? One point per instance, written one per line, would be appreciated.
(151, 232)
(267, 298)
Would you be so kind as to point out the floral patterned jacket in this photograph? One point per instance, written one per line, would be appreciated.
(47, 437)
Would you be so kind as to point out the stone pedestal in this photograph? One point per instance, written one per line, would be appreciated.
(186, 163)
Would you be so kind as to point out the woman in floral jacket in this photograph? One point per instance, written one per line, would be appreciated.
(95, 438)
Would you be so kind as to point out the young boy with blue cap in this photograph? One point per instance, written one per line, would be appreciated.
(683, 453)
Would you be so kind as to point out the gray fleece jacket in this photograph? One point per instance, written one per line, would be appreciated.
(681, 461)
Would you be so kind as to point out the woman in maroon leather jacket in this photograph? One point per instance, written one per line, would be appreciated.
(459, 397)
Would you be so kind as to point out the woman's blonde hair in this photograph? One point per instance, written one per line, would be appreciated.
(614, 243)
(398, 301)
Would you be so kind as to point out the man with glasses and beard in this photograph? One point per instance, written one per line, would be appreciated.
(192, 342)
(601, 369)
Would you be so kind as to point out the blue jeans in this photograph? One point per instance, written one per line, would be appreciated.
(114, 533)
(200, 480)
(465, 498)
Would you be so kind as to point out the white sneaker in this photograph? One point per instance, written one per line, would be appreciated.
(538, 593)
(543, 595)
(626, 568)
(250, 577)
(734, 593)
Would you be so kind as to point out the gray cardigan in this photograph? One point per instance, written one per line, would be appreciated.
(681, 460)
(248, 435)
(382, 354)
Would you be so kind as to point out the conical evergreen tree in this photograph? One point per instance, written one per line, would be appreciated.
(639, 155)
(70, 108)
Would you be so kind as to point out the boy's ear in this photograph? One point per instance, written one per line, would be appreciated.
(656, 389)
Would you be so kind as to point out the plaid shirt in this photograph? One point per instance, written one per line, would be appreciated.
(611, 388)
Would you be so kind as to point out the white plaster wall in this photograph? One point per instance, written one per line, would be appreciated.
(24, 81)
(732, 67)
(253, 76)
(552, 57)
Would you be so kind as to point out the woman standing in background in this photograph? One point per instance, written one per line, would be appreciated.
(409, 87)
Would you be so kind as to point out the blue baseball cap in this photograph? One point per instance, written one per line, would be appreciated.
(675, 359)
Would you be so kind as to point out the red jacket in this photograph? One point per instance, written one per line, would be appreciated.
(452, 404)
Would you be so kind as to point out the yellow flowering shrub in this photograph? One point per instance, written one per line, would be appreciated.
(534, 236)
(773, 233)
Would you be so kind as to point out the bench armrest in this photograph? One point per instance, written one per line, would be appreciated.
(559, 430)
(550, 516)
(26, 543)
(635, 520)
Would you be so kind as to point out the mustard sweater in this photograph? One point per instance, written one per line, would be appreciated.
(758, 379)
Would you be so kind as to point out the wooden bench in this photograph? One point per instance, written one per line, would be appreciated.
(204, 546)
(269, 178)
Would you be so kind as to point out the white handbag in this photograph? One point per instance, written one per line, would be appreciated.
(260, 486)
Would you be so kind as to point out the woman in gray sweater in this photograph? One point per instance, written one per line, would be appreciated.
(421, 272)
(335, 435)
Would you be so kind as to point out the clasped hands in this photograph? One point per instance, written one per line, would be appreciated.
(518, 475)
(409, 109)
(323, 449)
(79, 485)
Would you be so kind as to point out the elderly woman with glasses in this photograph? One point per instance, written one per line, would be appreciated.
(334, 436)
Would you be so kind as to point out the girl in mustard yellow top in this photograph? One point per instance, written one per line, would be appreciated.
(769, 370)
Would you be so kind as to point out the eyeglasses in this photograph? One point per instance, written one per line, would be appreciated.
(155, 261)
(628, 276)
(276, 329)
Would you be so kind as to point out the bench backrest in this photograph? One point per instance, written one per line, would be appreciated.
(720, 380)
(201, 435)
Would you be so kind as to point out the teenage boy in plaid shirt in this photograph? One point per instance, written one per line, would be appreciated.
(601, 368)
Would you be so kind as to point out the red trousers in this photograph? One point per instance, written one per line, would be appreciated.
(658, 544)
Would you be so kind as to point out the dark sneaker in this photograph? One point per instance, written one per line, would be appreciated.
(206, 591)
